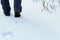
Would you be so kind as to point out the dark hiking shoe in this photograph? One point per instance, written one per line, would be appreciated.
(17, 14)
(7, 14)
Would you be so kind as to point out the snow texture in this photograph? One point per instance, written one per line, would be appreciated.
(40, 20)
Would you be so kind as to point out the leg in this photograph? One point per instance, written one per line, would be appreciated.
(17, 5)
(17, 8)
(6, 7)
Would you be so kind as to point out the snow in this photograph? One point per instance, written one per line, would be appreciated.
(34, 24)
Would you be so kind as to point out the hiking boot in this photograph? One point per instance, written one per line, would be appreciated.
(17, 14)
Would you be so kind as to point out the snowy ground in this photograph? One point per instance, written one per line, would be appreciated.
(33, 25)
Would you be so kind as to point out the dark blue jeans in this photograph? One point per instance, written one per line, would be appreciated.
(6, 5)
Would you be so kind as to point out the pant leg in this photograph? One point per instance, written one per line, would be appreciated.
(17, 5)
(6, 6)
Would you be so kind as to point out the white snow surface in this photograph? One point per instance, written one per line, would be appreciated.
(34, 24)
